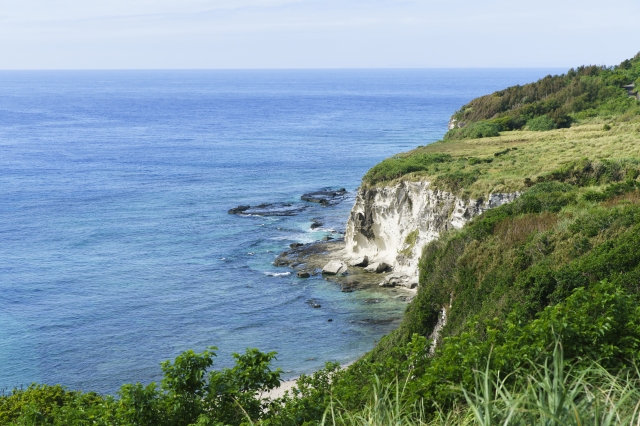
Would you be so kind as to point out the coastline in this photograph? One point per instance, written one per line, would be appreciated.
(279, 392)
(288, 385)
(312, 259)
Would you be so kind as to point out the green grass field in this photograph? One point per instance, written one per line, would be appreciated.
(502, 163)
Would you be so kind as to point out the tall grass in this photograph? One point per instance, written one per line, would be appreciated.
(550, 393)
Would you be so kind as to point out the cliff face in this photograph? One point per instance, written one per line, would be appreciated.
(393, 224)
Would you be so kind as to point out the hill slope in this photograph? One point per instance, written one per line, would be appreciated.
(530, 293)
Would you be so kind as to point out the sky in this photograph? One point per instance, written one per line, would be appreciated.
(186, 34)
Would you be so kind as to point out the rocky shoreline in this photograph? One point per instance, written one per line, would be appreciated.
(386, 231)
(329, 259)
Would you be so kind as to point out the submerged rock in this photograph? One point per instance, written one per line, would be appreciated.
(314, 304)
(349, 285)
(270, 209)
(238, 210)
(283, 259)
(325, 197)
(303, 274)
(300, 253)
(316, 224)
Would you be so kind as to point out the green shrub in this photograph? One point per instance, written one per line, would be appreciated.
(482, 129)
(475, 161)
(541, 124)
(507, 123)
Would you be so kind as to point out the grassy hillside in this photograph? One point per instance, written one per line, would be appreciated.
(510, 135)
(516, 159)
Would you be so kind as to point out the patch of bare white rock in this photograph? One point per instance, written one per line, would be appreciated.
(389, 226)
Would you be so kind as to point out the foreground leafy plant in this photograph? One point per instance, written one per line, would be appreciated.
(549, 393)
(189, 394)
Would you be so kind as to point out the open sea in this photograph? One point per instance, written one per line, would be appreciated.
(116, 249)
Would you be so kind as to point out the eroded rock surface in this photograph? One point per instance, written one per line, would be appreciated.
(393, 224)
(377, 267)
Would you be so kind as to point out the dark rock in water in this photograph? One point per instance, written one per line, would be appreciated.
(270, 209)
(329, 320)
(239, 209)
(349, 285)
(303, 274)
(326, 196)
(282, 260)
(297, 255)
(327, 238)
(295, 245)
(316, 224)
(314, 304)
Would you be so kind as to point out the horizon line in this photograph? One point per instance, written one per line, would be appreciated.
(282, 69)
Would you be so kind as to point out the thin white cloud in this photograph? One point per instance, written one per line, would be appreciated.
(313, 33)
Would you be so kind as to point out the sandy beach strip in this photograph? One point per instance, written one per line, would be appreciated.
(287, 385)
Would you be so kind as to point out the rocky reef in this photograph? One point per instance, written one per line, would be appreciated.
(269, 209)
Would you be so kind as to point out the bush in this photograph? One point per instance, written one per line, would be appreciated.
(508, 123)
(482, 129)
(541, 124)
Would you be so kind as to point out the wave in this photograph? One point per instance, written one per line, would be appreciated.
(277, 274)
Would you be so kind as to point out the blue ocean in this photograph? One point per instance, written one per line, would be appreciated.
(116, 248)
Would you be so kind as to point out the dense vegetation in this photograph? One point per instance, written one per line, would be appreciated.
(541, 296)
(190, 393)
(560, 263)
(586, 91)
(518, 116)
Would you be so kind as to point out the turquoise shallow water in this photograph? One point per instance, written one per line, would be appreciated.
(116, 249)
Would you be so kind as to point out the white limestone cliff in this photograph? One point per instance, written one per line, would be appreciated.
(393, 224)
